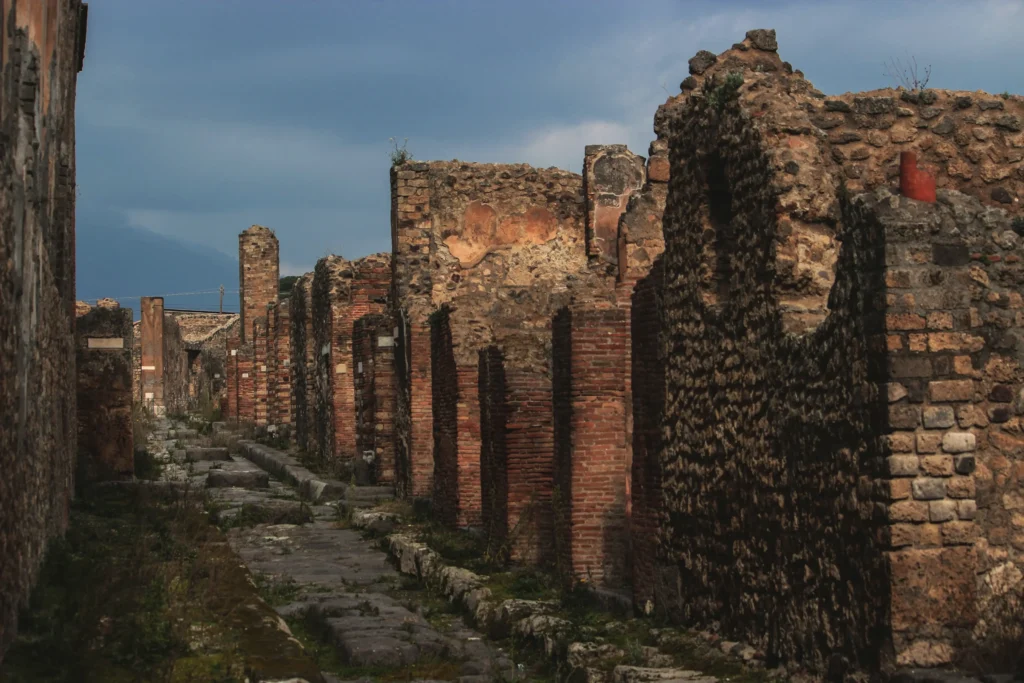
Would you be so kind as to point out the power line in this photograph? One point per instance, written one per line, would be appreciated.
(139, 296)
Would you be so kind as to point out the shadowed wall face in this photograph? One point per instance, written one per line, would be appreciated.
(42, 47)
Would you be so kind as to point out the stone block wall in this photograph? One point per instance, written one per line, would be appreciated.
(769, 437)
(104, 394)
(41, 52)
(373, 365)
(591, 463)
(258, 275)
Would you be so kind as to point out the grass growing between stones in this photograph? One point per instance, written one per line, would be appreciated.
(315, 637)
(145, 589)
(250, 515)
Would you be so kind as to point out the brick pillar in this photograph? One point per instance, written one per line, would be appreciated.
(152, 368)
(272, 374)
(647, 380)
(414, 407)
(517, 456)
(283, 397)
(456, 428)
(384, 403)
(590, 401)
(104, 387)
(260, 373)
(246, 385)
(933, 364)
(372, 363)
(231, 409)
(342, 387)
(258, 275)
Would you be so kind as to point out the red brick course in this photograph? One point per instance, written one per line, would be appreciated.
(590, 400)
(373, 363)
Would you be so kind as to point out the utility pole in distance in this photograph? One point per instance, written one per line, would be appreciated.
(222, 298)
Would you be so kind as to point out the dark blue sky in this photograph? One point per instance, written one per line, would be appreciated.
(197, 118)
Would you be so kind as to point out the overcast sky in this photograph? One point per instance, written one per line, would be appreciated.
(198, 118)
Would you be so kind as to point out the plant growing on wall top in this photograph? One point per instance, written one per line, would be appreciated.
(906, 75)
(726, 90)
(399, 155)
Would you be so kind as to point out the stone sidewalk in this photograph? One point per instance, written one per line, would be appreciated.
(339, 581)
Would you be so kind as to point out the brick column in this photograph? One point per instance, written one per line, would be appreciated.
(231, 410)
(246, 385)
(260, 372)
(647, 379)
(152, 369)
(258, 275)
(933, 357)
(591, 451)
(104, 389)
(283, 397)
(456, 428)
(342, 387)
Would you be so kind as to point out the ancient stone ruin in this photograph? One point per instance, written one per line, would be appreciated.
(767, 381)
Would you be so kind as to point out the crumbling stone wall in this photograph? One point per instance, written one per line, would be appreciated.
(231, 362)
(41, 53)
(303, 355)
(206, 342)
(373, 364)
(766, 433)
(104, 394)
(258, 275)
(502, 246)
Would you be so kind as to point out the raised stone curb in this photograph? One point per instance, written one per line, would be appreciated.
(289, 470)
(198, 454)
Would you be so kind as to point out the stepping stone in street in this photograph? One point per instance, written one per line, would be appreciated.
(196, 454)
(243, 479)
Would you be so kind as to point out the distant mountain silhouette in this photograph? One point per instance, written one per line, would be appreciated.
(118, 261)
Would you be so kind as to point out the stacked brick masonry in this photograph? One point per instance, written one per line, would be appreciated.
(282, 402)
(260, 372)
(331, 282)
(493, 451)
(104, 396)
(303, 360)
(456, 425)
(40, 55)
(246, 381)
(414, 462)
(231, 412)
(175, 368)
(152, 354)
(954, 314)
(501, 244)
(529, 449)
(590, 400)
(373, 364)
(258, 275)
(648, 404)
